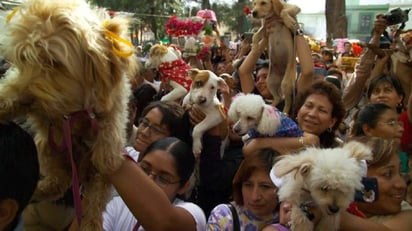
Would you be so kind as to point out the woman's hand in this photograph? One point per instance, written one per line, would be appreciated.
(379, 25)
(310, 139)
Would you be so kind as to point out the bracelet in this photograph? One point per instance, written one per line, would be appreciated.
(302, 141)
(299, 32)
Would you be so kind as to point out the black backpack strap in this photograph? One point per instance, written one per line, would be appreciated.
(236, 223)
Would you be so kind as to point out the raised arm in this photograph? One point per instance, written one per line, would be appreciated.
(306, 63)
(148, 203)
(355, 86)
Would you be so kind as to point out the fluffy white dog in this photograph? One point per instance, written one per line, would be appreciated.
(252, 115)
(327, 178)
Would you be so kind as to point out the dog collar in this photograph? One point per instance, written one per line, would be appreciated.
(305, 207)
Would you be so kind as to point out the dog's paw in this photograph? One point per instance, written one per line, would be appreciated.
(289, 21)
(49, 189)
(197, 149)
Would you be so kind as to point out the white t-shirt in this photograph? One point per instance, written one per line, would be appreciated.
(118, 217)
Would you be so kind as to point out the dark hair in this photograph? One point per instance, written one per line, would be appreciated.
(181, 152)
(262, 159)
(19, 166)
(392, 80)
(143, 94)
(368, 115)
(321, 87)
(174, 117)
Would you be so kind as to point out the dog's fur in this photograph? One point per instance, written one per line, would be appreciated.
(250, 113)
(203, 95)
(172, 69)
(402, 62)
(327, 178)
(282, 70)
(64, 61)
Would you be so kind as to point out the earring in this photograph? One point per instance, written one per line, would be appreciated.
(330, 130)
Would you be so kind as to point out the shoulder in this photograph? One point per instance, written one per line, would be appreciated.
(220, 219)
(117, 216)
(194, 210)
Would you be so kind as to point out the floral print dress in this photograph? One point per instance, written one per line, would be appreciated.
(221, 219)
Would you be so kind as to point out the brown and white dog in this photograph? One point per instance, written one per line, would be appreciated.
(203, 95)
(69, 78)
(172, 69)
(282, 70)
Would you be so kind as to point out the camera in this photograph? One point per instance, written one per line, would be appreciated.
(397, 16)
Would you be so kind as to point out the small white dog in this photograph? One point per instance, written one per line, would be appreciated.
(172, 69)
(326, 178)
(252, 115)
(203, 94)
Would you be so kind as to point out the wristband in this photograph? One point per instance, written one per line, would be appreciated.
(302, 141)
(299, 32)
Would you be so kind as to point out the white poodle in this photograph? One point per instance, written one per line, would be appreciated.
(326, 178)
(252, 115)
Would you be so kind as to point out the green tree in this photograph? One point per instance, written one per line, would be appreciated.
(153, 14)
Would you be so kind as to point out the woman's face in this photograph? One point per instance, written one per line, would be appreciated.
(259, 194)
(388, 126)
(315, 115)
(391, 189)
(150, 130)
(385, 93)
(261, 86)
(161, 168)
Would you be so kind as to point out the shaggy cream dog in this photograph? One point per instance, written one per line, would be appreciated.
(69, 79)
(326, 178)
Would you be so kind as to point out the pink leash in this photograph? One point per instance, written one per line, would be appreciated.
(66, 145)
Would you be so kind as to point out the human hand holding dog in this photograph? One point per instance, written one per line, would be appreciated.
(196, 116)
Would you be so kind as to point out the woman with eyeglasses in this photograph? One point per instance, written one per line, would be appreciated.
(378, 120)
(152, 202)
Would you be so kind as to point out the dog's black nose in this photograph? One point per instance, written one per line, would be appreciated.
(254, 14)
(333, 209)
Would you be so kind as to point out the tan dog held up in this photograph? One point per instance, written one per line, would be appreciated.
(282, 69)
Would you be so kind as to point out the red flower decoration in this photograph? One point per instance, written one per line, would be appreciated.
(176, 27)
(246, 10)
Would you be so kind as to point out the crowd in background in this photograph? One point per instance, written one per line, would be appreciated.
(335, 100)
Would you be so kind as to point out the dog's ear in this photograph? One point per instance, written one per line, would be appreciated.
(232, 112)
(193, 72)
(358, 150)
(305, 169)
(277, 6)
(158, 50)
(269, 122)
(292, 162)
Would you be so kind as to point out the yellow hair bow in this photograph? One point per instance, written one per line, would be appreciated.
(112, 37)
(12, 13)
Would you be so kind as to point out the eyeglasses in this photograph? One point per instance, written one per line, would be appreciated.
(161, 180)
(156, 129)
(394, 123)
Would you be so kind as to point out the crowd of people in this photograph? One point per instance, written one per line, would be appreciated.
(161, 186)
